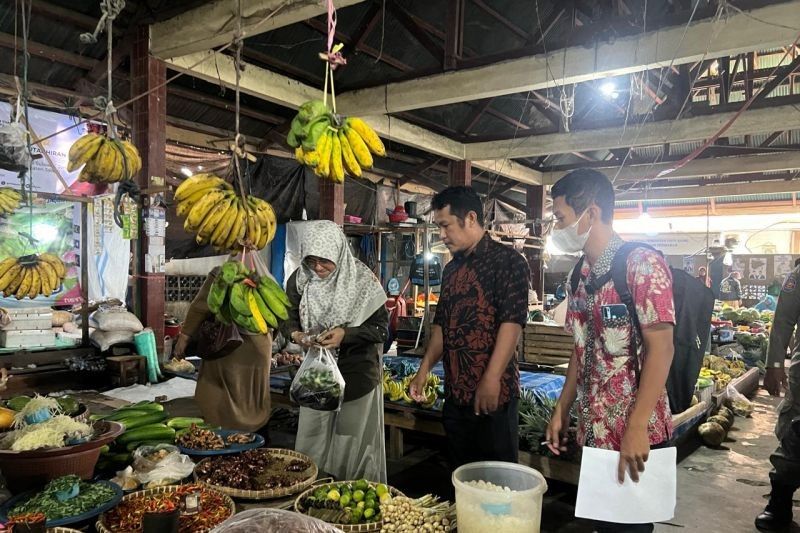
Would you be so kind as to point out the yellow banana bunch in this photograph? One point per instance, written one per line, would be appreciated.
(31, 276)
(104, 160)
(218, 216)
(335, 147)
(9, 200)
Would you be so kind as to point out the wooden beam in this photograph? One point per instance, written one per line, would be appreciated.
(48, 52)
(221, 103)
(418, 170)
(214, 24)
(516, 30)
(773, 162)
(712, 191)
(63, 15)
(477, 112)
(290, 93)
(771, 139)
(367, 24)
(741, 32)
(322, 28)
(780, 76)
(454, 33)
(701, 127)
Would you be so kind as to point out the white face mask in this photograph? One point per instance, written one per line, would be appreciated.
(567, 239)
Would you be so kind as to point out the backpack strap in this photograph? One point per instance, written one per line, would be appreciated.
(575, 276)
(619, 275)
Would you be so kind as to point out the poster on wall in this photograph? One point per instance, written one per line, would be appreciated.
(46, 177)
(50, 223)
(688, 264)
(739, 265)
(758, 269)
(783, 264)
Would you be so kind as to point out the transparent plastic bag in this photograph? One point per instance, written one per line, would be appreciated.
(269, 520)
(740, 405)
(318, 384)
(14, 153)
(171, 467)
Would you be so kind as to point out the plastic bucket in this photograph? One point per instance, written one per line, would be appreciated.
(480, 509)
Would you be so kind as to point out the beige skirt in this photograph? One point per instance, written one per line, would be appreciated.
(349, 444)
(233, 391)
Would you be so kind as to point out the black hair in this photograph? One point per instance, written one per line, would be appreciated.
(797, 262)
(580, 188)
(461, 200)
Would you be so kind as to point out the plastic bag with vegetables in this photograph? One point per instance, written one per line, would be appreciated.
(258, 520)
(318, 383)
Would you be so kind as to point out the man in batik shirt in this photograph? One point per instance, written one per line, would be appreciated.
(617, 376)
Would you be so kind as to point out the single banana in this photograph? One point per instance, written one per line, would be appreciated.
(359, 148)
(253, 234)
(5, 266)
(263, 308)
(133, 156)
(324, 148)
(237, 231)
(47, 288)
(299, 155)
(259, 320)
(349, 159)
(276, 289)
(337, 168)
(371, 138)
(199, 182)
(25, 285)
(36, 283)
(239, 301)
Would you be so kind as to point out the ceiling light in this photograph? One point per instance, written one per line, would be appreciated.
(609, 90)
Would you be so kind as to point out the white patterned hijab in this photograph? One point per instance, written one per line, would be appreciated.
(348, 296)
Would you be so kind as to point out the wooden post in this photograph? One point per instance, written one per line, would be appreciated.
(460, 173)
(331, 201)
(454, 34)
(535, 210)
(149, 134)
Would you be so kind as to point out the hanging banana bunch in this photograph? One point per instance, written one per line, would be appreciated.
(9, 200)
(104, 160)
(218, 216)
(31, 276)
(333, 145)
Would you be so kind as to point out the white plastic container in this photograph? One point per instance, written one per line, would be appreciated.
(31, 318)
(27, 338)
(482, 510)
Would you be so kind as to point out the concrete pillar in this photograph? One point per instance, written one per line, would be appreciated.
(535, 210)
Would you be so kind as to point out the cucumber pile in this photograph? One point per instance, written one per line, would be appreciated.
(146, 424)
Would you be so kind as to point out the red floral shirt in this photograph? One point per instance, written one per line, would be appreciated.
(607, 381)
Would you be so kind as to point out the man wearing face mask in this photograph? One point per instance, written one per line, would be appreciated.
(481, 312)
(618, 379)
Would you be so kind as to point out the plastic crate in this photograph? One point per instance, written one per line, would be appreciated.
(27, 338)
(34, 318)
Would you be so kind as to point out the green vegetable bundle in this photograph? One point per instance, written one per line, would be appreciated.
(49, 502)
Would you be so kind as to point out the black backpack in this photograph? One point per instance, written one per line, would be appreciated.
(694, 303)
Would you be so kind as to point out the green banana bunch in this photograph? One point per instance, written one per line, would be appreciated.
(312, 120)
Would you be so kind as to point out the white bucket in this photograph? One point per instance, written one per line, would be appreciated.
(481, 510)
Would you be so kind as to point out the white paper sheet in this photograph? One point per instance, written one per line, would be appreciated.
(601, 497)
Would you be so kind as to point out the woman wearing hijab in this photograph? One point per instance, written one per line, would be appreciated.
(335, 293)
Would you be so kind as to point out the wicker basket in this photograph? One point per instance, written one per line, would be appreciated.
(28, 470)
(100, 525)
(347, 528)
(62, 530)
(268, 494)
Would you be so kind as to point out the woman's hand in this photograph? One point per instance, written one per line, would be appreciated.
(332, 338)
(179, 351)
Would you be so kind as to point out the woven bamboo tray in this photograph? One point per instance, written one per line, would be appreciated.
(268, 494)
(347, 528)
(101, 527)
(62, 530)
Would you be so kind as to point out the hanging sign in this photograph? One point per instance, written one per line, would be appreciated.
(47, 177)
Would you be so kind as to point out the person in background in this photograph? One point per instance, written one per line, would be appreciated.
(482, 309)
(716, 271)
(785, 474)
(335, 295)
(232, 391)
(702, 275)
(730, 290)
(619, 407)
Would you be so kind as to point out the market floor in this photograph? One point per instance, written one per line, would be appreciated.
(719, 490)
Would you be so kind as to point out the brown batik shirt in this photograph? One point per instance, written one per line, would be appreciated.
(479, 293)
